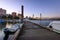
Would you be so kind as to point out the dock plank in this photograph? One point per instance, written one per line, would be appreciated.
(34, 32)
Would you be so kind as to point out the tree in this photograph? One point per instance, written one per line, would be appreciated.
(16, 17)
(3, 17)
(10, 17)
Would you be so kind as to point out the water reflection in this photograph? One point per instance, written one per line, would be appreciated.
(6, 25)
(2, 25)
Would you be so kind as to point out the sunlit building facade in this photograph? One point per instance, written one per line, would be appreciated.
(19, 15)
(14, 14)
(2, 11)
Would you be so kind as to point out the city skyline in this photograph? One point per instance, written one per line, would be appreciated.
(48, 8)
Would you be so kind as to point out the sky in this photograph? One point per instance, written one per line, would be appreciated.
(48, 8)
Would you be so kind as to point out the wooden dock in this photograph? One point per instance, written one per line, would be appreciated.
(35, 32)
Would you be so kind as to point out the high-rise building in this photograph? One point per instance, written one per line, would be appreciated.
(22, 11)
(2, 11)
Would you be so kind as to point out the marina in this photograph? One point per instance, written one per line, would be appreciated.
(29, 20)
(30, 30)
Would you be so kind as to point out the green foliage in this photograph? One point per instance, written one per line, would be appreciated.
(16, 17)
(10, 17)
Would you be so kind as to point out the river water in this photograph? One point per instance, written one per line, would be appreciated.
(2, 26)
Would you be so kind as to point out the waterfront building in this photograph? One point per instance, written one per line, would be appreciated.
(14, 14)
(19, 15)
(2, 11)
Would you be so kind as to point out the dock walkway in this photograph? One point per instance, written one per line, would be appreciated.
(35, 32)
